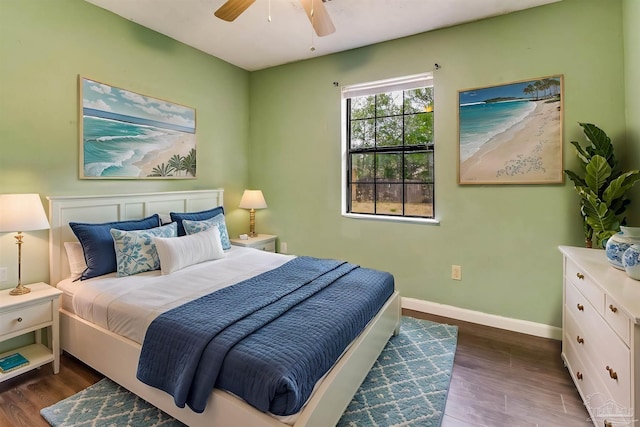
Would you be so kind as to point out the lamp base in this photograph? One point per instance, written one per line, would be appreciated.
(19, 290)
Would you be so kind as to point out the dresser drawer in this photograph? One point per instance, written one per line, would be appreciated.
(593, 393)
(585, 285)
(617, 319)
(25, 318)
(601, 346)
(578, 305)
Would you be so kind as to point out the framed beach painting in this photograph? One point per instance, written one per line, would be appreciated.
(512, 133)
(126, 135)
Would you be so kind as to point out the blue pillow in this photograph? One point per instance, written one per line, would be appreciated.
(97, 243)
(194, 216)
(193, 227)
(135, 250)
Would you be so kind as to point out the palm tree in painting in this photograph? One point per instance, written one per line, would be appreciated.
(162, 170)
(529, 90)
(189, 162)
(176, 162)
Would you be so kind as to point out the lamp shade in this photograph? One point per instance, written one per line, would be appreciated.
(22, 212)
(253, 199)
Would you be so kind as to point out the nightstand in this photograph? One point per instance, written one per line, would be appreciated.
(31, 312)
(264, 242)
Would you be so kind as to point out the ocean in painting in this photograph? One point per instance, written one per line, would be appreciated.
(111, 147)
(479, 122)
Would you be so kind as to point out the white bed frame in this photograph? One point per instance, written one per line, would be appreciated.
(117, 357)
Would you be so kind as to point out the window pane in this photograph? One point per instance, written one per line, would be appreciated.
(362, 167)
(389, 199)
(389, 104)
(419, 200)
(418, 129)
(363, 107)
(389, 131)
(418, 100)
(389, 167)
(362, 198)
(362, 133)
(418, 167)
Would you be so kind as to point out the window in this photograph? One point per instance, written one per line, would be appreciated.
(388, 148)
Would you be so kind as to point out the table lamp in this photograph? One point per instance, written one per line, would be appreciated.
(252, 199)
(18, 213)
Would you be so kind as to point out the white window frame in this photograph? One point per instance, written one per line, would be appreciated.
(371, 88)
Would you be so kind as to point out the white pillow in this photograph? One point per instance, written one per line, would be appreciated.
(179, 252)
(75, 255)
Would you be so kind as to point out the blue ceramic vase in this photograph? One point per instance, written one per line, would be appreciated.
(631, 261)
(619, 243)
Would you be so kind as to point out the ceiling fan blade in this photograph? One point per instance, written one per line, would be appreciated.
(319, 17)
(232, 9)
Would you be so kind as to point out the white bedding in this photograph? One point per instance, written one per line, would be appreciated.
(127, 305)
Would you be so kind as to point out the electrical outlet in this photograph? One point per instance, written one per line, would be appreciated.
(3, 274)
(456, 272)
(283, 248)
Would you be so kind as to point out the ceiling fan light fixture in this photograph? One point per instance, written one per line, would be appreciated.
(318, 15)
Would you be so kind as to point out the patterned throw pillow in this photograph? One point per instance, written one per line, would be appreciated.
(193, 227)
(135, 250)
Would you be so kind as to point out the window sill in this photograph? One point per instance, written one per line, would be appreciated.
(429, 221)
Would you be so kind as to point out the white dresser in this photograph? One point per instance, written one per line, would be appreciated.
(601, 336)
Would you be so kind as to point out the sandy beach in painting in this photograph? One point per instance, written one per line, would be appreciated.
(528, 152)
(155, 158)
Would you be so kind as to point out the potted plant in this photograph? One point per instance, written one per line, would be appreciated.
(603, 187)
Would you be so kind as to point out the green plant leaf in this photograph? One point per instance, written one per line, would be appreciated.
(597, 173)
(619, 186)
(597, 214)
(578, 181)
(600, 141)
(582, 155)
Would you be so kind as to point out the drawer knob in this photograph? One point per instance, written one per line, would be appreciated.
(608, 423)
(580, 307)
(612, 308)
(580, 340)
(19, 319)
(612, 373)
(579, 375)
(580, 276)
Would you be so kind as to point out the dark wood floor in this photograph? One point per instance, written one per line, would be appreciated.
(500, 378)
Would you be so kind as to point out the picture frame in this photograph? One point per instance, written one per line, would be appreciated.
(511, 133)
(127, 135)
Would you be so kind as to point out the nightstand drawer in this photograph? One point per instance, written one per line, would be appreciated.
(25, 318)
(269, 247)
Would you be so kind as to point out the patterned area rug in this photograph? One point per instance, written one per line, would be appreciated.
(407, 386)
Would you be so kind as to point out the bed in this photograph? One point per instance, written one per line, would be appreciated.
(116, 356)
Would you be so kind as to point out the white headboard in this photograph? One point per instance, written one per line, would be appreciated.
(117, 207)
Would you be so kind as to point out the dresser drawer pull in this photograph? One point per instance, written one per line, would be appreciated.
(580, 340)
(579, 375)
(580, 307)
(19, 319)
(608, 423)
(612, 373)
(612, 308)
(580, 276)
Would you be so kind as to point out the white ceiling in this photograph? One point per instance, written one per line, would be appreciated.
(253, 43)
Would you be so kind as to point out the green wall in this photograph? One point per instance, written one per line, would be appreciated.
(44, 46)
(504, 237)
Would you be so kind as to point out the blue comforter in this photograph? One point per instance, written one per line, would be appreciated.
(267, 339)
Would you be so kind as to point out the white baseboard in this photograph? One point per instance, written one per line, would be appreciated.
(516, 325)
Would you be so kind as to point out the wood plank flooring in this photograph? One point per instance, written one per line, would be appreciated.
(500, 378)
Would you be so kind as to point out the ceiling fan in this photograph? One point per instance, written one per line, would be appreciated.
(320, 19)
